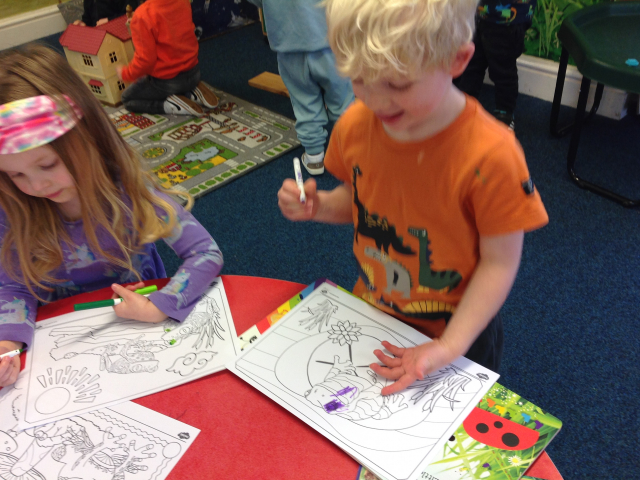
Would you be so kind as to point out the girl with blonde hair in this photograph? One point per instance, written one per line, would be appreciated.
(77, 211)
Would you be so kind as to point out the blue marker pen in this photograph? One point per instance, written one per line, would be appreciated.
(298, 173)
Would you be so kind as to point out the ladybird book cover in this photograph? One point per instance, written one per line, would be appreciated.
(499, 440)
(315, 363)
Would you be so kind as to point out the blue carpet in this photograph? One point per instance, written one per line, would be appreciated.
(571, 316)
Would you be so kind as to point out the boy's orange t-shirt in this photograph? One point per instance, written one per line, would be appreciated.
(419, 208)
(164, 39)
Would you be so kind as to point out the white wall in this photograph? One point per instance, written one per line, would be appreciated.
(30, 26)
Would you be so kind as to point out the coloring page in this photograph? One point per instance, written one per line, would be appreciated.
(315, 363)
(122, 442)
(91, 359)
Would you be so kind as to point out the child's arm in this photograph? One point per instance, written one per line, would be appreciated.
(17, 316)
(485, 294)
(326, 206)
(17, 321)
(145, 55)
(202, 262)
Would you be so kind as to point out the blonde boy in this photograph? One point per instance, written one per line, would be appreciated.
(437, 189)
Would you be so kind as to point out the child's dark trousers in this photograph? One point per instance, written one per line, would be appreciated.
(147, 94)
(497, 48)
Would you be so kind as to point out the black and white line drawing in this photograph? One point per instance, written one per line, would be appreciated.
(122, 442)
(92, 359)
(191, 362)
(316, 363)
(205, 324)
(66, 386)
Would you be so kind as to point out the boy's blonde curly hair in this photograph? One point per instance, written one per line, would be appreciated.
(403, 37)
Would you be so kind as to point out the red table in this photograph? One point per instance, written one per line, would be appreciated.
(244, 434)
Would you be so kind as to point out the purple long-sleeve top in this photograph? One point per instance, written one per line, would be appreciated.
(83, 271)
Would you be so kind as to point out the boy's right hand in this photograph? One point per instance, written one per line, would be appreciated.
(9, 366)
(410, 364)
(289, 200)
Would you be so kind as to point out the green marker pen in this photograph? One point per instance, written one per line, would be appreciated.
(111, 302)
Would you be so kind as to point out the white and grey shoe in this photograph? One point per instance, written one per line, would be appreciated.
(203, 95)
(313, 163)
(181, 105)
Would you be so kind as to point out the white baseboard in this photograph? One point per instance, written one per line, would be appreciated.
(537, 76)
(30, 26)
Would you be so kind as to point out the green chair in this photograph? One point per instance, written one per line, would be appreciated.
(601, 39)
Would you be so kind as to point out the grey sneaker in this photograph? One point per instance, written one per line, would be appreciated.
(316, 168)
(180, 105)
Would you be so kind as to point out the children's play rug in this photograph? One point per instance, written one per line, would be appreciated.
(200, 154)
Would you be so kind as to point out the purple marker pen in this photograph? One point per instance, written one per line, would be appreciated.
(298, 173)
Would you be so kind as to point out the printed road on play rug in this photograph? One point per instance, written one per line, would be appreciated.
(200, 154)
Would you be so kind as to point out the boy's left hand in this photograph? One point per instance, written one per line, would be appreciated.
(136, 306)
(410, 364)
(119, 70)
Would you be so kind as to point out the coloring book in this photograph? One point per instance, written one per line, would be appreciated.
(466, 455)
(315, 363)
(121, 442)
(91, 359)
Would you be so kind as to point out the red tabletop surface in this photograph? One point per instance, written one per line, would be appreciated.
(244, 434)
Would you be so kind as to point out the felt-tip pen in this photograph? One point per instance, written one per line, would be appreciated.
(12, 353)
(112, 302)
(298, 172)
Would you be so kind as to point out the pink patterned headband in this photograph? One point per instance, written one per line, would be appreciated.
(33, 122)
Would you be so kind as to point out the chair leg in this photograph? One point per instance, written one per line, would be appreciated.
(577, 128)
(596, 101)
(575, 140)
(557, 97)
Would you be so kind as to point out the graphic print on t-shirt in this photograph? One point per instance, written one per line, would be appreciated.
(398, 273)
(428, 279)
(371, 225)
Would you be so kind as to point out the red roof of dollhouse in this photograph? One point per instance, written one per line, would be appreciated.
(89, 39)
(118, 28)
(96, 83)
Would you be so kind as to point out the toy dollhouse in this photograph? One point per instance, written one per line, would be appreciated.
(95, 52)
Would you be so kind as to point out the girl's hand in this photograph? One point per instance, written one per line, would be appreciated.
(136, 306)
(9, 366)
(410, 364)
(133, 288)
(289, 200)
